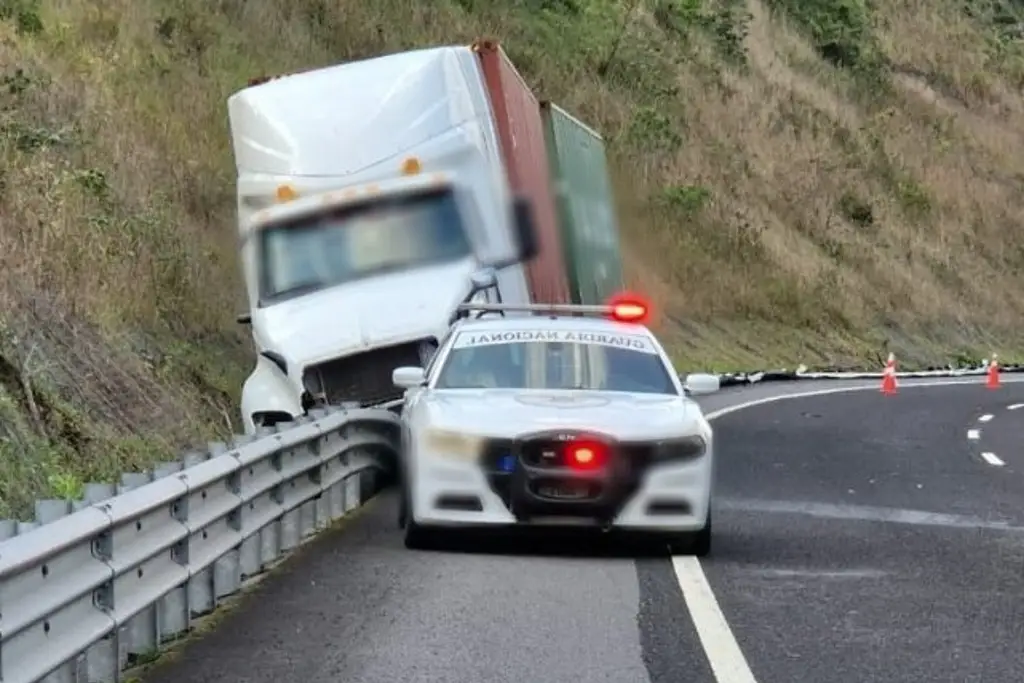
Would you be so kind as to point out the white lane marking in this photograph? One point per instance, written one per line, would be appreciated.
(716, 637)
(992, 459)
(985, 418)
(1015, 406)
(728, 665)
(973, 433)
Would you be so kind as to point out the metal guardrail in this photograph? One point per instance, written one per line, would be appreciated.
(91, 594)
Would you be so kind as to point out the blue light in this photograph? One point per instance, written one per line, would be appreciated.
(507, 463)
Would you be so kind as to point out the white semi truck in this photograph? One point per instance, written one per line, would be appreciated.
(372, 200)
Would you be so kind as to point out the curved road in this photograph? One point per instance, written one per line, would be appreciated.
(859, 538)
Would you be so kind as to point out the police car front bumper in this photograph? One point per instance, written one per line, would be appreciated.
(668, 497)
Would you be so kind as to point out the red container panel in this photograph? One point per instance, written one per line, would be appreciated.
(523, 147)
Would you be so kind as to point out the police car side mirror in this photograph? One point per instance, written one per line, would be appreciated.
(526, 229)
(408, 377)
(700, 383)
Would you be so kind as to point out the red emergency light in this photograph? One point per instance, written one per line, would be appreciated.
(585, 455)
(628, 307)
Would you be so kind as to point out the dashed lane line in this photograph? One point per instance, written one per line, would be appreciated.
(992, 459)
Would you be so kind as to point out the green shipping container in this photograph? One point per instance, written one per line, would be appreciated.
(586, 207)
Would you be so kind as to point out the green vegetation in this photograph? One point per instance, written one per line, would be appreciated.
(803, 180)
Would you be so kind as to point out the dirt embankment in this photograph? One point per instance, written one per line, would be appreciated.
(796, 183)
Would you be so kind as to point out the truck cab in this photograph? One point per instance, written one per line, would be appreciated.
(349, 286)
(372, 200)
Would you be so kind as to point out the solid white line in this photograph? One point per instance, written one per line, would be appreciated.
(716, 637)
(973, 433)
(992, 459)
(985, 418)
(728, 664)
(1015, 406)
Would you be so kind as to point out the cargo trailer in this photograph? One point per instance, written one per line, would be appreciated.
(586, 206)
(522, 139)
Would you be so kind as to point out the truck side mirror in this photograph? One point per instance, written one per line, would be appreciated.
(526, 229)
(244, 319)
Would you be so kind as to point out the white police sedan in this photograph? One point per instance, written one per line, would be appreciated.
(566, 416)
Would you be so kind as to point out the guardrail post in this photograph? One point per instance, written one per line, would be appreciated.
(227, 575)
(102, 663)
(199, 591)
(250, 552)
(25, 527)
(291, 529)
(94, 493)
(172, 610)
(139, 636)
(46, 511)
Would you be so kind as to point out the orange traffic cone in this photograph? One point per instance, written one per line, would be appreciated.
(889, 376)
(992, 381)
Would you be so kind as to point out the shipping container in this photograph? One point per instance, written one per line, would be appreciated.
(522, 142)
(586, 206)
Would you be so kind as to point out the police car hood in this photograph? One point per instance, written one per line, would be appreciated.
(509, 413)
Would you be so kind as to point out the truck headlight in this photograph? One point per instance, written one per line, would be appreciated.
(685, 448)
(452, 445)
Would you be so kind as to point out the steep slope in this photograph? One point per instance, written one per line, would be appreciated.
(800, 180)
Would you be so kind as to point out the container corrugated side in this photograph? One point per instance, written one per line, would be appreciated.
(586, 203)
(521, 133)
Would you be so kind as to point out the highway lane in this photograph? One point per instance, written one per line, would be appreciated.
(859, 540)
(811, 590)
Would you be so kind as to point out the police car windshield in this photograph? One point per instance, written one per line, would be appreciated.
(327, 249)
(545, 359)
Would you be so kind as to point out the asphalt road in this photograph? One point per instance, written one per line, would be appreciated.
(859, 538)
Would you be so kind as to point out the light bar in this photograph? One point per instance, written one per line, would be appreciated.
(624, 307)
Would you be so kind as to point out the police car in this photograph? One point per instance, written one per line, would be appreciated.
(560, 415)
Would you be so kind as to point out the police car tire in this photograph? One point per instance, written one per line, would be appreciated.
(697, 543)
(418, 537)
(403, 510)
(702, 540)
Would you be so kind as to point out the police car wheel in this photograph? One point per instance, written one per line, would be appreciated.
(403, 511)
(696, 543)
(418, 537)
(702, 539)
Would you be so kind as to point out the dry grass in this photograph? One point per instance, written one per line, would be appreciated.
(781, 208)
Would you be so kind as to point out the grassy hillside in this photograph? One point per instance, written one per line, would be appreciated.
(800, 180)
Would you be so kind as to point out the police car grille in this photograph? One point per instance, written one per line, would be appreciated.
(544, 453)
(366, 377)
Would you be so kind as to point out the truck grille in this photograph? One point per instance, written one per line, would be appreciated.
(364, 377)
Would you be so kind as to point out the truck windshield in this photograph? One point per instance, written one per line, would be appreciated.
(557, 360)
(372, 238)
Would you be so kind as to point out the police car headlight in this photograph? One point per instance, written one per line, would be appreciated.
(452, 445)
(686, 448)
